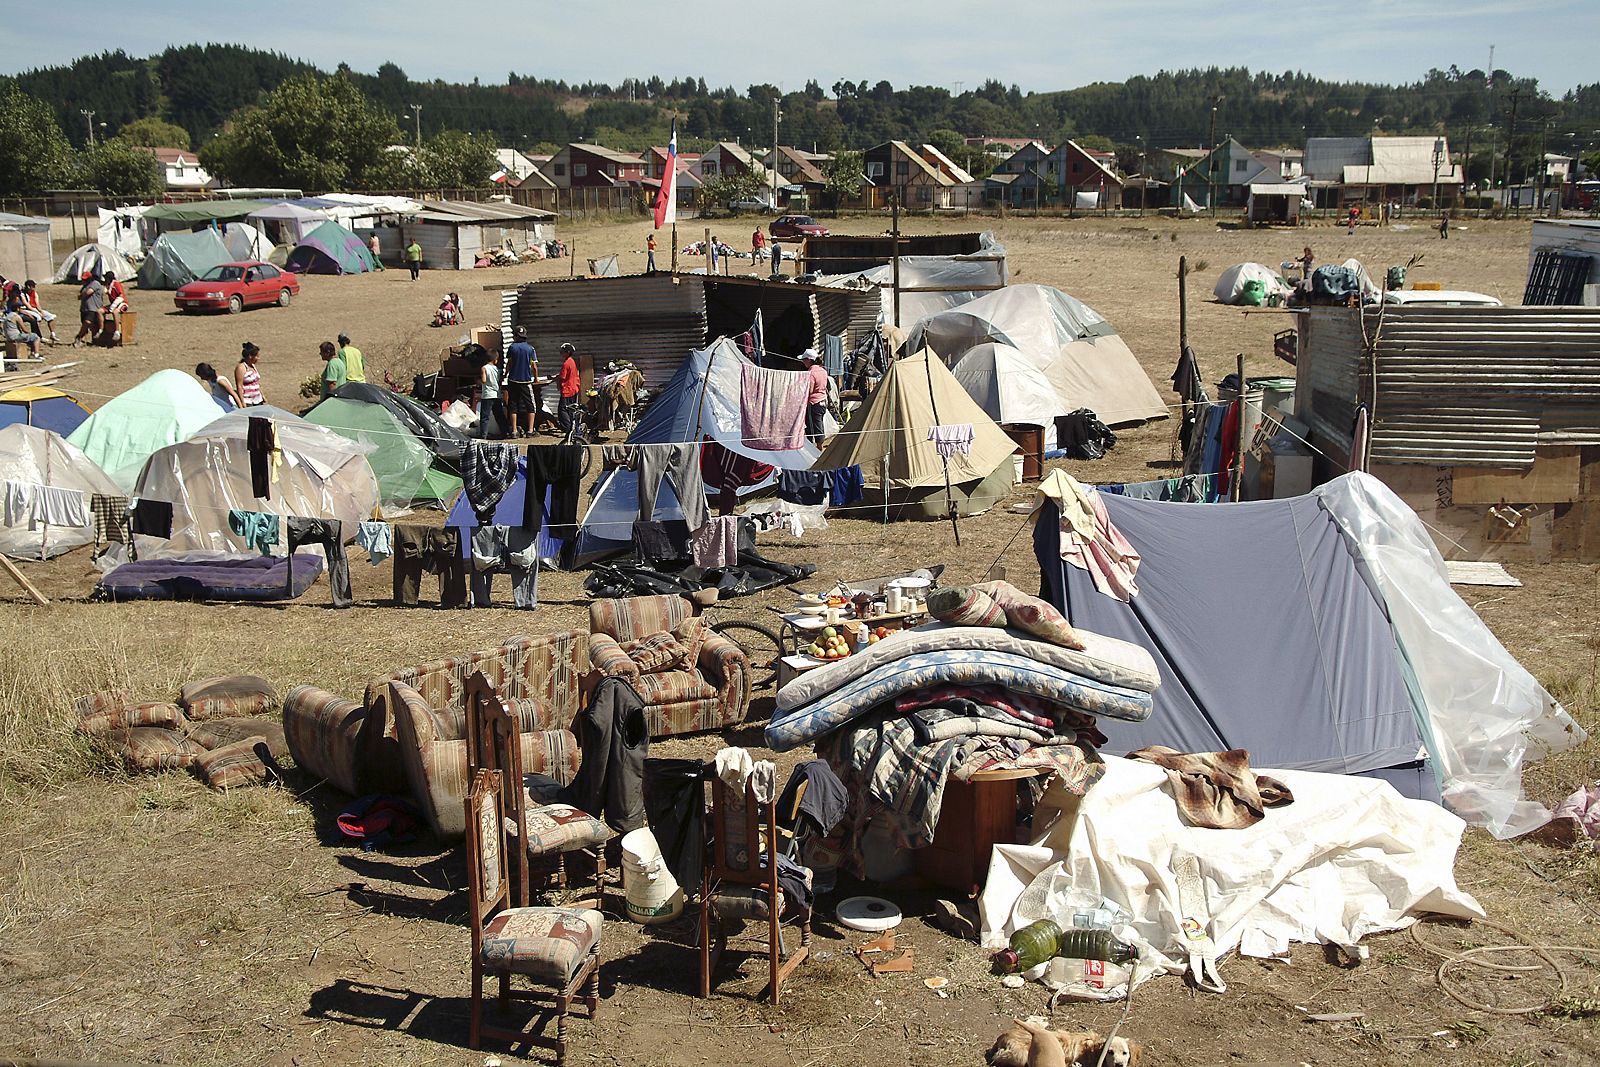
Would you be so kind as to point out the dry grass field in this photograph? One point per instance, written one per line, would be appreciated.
(151, 920)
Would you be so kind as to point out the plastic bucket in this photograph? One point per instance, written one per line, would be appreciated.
(651, 893)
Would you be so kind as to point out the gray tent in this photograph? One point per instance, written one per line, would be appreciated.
(1320, 633)
(176, 259)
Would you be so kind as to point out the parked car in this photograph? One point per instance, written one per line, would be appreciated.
(795, 227)
(231, 287)
(762, 201)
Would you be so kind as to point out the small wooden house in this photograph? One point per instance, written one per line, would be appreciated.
(896, 169)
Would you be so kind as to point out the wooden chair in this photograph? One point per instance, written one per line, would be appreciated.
(558, 948)
(741, 882)
(493, 743)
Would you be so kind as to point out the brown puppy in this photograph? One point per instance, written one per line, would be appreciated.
(1015, 1047)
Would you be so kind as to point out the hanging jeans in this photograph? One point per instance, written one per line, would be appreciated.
(557, 467)
(614, 739)
(329, 533)
(509, 549)
(433, 550)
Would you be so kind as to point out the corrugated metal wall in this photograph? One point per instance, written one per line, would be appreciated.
(650, 319)
(1454, 386)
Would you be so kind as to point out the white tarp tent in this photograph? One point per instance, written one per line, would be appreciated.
(123, 229)
(94, 259)
(1230, 285)
(36, 456)
(246, 242)
(287, 224)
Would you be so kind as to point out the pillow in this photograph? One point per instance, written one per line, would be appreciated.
(1032, 615)
(228, 696)
(219, 733)
(119, 718)
(150, 749)
(98, 703)
(563, 828)
(965, 605)
(658, 652)
(692, 633)
(241, 763)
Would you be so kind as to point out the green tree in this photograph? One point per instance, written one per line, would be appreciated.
(456, 160)
(843, 177)
(311, 133)
(153, 132)
(120, 168)
(34, 153)
(726, 188)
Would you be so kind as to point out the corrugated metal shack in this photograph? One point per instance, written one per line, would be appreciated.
(453, 232)
(657, 319)
(843, 253)
(1486, 420)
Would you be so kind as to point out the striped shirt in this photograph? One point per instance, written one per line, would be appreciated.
(250, 387)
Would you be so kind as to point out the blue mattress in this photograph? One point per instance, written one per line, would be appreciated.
(955, 667)
(177, 578)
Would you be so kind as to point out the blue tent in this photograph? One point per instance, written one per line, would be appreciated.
(41, 406)
(506, 513)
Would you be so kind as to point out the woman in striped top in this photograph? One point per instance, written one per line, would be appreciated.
(247, 377)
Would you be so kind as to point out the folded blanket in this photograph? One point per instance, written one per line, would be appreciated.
(1216, 789)
(939, 724)
(986, 699)
(1023, 674)
(1102, 659)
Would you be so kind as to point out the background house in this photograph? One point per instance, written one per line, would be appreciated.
(1230, 169)
(588, 165)
(728, 159)
(183, 172)
(1078, 172)
(1020, 180)
(895, 168)
(1346, 170)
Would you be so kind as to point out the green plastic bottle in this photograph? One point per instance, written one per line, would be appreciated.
(1040, 941)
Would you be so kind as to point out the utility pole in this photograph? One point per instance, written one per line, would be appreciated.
(416, 109)
(776, 115)
(1511, 135)
(1438, 159)
(1211, 160)
(88, 120)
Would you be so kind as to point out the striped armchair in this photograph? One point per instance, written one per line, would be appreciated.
(711, 694)
(357, 747)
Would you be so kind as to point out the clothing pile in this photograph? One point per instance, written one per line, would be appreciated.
(1000, 682)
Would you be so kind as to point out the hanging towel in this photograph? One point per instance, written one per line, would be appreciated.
(153, 518)
(772, 408)
(258, 528)
(59, 507)
(833, 355)
(260, 442)
(952, 439)
(19, 503)
(1089, 541)
(377, 538)
(716, 544)
(487, 471)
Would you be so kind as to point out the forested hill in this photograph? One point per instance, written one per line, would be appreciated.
(199, 86)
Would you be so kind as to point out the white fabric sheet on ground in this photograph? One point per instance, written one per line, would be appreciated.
(1350, 857)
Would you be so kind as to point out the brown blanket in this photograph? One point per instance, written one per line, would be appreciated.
(1216, 789)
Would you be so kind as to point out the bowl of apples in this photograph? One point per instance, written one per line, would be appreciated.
(829, 645)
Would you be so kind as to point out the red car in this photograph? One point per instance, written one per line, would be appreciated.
(795, 228)
(231, 286)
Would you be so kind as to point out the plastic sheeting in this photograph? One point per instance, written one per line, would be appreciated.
(1348, 858)
(1230, 285)
(178, 258)
(122, 229)
(245, 242)
(319, 474)
(984, 270)
(1484, 713)
(404, 465)
(165, 408)
(38, 456)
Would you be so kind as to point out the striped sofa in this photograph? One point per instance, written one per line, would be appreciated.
(407, 735)
(712, 694)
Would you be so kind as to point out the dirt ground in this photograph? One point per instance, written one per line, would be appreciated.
(150, 920)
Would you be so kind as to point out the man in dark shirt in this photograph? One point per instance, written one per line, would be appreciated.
(521, 364)
(91, 310)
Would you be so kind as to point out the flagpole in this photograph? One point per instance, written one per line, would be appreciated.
(674, 241)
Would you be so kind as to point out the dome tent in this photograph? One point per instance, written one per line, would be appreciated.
(42, 406)
(331, 249)
(165, 408)
(94, 259)
(407, 470)
(321, 475)
(177, 258)
(39, 456)
(1008, 385)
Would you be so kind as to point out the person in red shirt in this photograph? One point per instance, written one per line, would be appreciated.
(568, 381)
(758, 241)
(817, 398)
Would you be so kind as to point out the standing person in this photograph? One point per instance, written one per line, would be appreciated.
(490, 408)
(91, 307)
(1355, 213)
(817, 398)
(1307, 263)
(650, 253)
(711, 250)
(1444, 225)
(758, 241)
(45, 319)
(568, 382)
(355, 364)
(333, 371)
(248, 378)
(376, 248)
(521, 359)
(414, 258)
(222, 390)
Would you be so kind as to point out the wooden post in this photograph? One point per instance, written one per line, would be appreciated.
(1238, 462)
(708, 249)
(1183, 304)
(894, 204)
(572, 260)
(27, 586)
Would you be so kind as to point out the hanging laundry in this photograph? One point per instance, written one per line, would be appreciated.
(952, 439)
(53, 506)
(680, 463)
(1228, 449)
(433, 550)
(377, 538)
(772, 408)
(804, 487)
(258, 528)
(728, 472)
(652, 543)
(152, 518)
(329, 533)
(848, 486)
(1089, 541)
(509, 550)
(260, 442)
(556, 467)
(716, 544)
(487, 471)
(19, 502)
(833, 355)
(110, 514)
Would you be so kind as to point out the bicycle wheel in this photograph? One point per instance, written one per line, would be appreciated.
(760, 645)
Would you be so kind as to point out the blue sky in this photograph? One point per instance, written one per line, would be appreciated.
(931, 42)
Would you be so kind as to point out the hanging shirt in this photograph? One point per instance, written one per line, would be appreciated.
(953, 439)
(258, 528)
(377, 538)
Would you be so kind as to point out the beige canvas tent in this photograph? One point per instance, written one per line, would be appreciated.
(888, 437)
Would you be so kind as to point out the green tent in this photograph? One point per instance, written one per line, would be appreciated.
(165, 408)
(408, 472)
(331, 249)
(204, 210)
(176, 259)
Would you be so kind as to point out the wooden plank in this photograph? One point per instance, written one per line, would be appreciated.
(1553, 479)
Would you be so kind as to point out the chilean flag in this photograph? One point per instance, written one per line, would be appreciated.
(667, 197)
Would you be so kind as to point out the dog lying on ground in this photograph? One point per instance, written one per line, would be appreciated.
(1029, 1043)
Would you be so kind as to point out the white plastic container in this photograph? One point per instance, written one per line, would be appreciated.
(652, 894)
